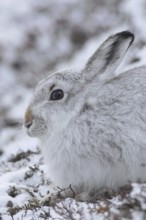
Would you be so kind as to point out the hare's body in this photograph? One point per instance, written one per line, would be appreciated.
(91, 123)
(115, 130)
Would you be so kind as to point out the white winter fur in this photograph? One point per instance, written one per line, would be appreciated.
(95, 136)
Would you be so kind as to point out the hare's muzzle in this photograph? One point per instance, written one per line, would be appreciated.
(28, 119)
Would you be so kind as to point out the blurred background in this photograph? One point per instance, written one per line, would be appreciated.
(38, 37)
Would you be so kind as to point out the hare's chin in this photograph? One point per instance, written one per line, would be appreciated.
(29, 133)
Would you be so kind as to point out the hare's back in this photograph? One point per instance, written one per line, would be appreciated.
(129, 88)
(120, 115)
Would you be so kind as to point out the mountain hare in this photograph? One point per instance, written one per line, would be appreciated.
(92, 124)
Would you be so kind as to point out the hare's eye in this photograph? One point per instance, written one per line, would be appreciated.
(56, 95)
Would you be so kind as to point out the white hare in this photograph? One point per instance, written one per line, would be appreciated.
(91, 123)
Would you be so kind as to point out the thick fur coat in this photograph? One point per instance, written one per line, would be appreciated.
(93, 128)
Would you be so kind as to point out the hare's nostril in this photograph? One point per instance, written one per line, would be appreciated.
(28, 124)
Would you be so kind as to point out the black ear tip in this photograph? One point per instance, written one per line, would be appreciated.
(125, 35)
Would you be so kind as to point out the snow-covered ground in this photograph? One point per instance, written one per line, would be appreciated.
(37, 37)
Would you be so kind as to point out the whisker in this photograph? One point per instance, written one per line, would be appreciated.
(38, 76)
(35, 77)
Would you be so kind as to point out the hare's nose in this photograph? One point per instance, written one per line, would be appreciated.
(28, 121)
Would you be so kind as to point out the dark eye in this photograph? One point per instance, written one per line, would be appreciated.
(57, 94)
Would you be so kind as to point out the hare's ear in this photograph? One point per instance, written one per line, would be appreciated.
(108, 56)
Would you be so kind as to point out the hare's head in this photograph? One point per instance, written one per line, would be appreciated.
(63, 95)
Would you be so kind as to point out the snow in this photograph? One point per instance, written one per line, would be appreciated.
(37, 37)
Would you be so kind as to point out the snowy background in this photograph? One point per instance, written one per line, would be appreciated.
(36, 38)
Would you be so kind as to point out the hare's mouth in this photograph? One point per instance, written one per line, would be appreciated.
(35, 128)
(27, 131)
